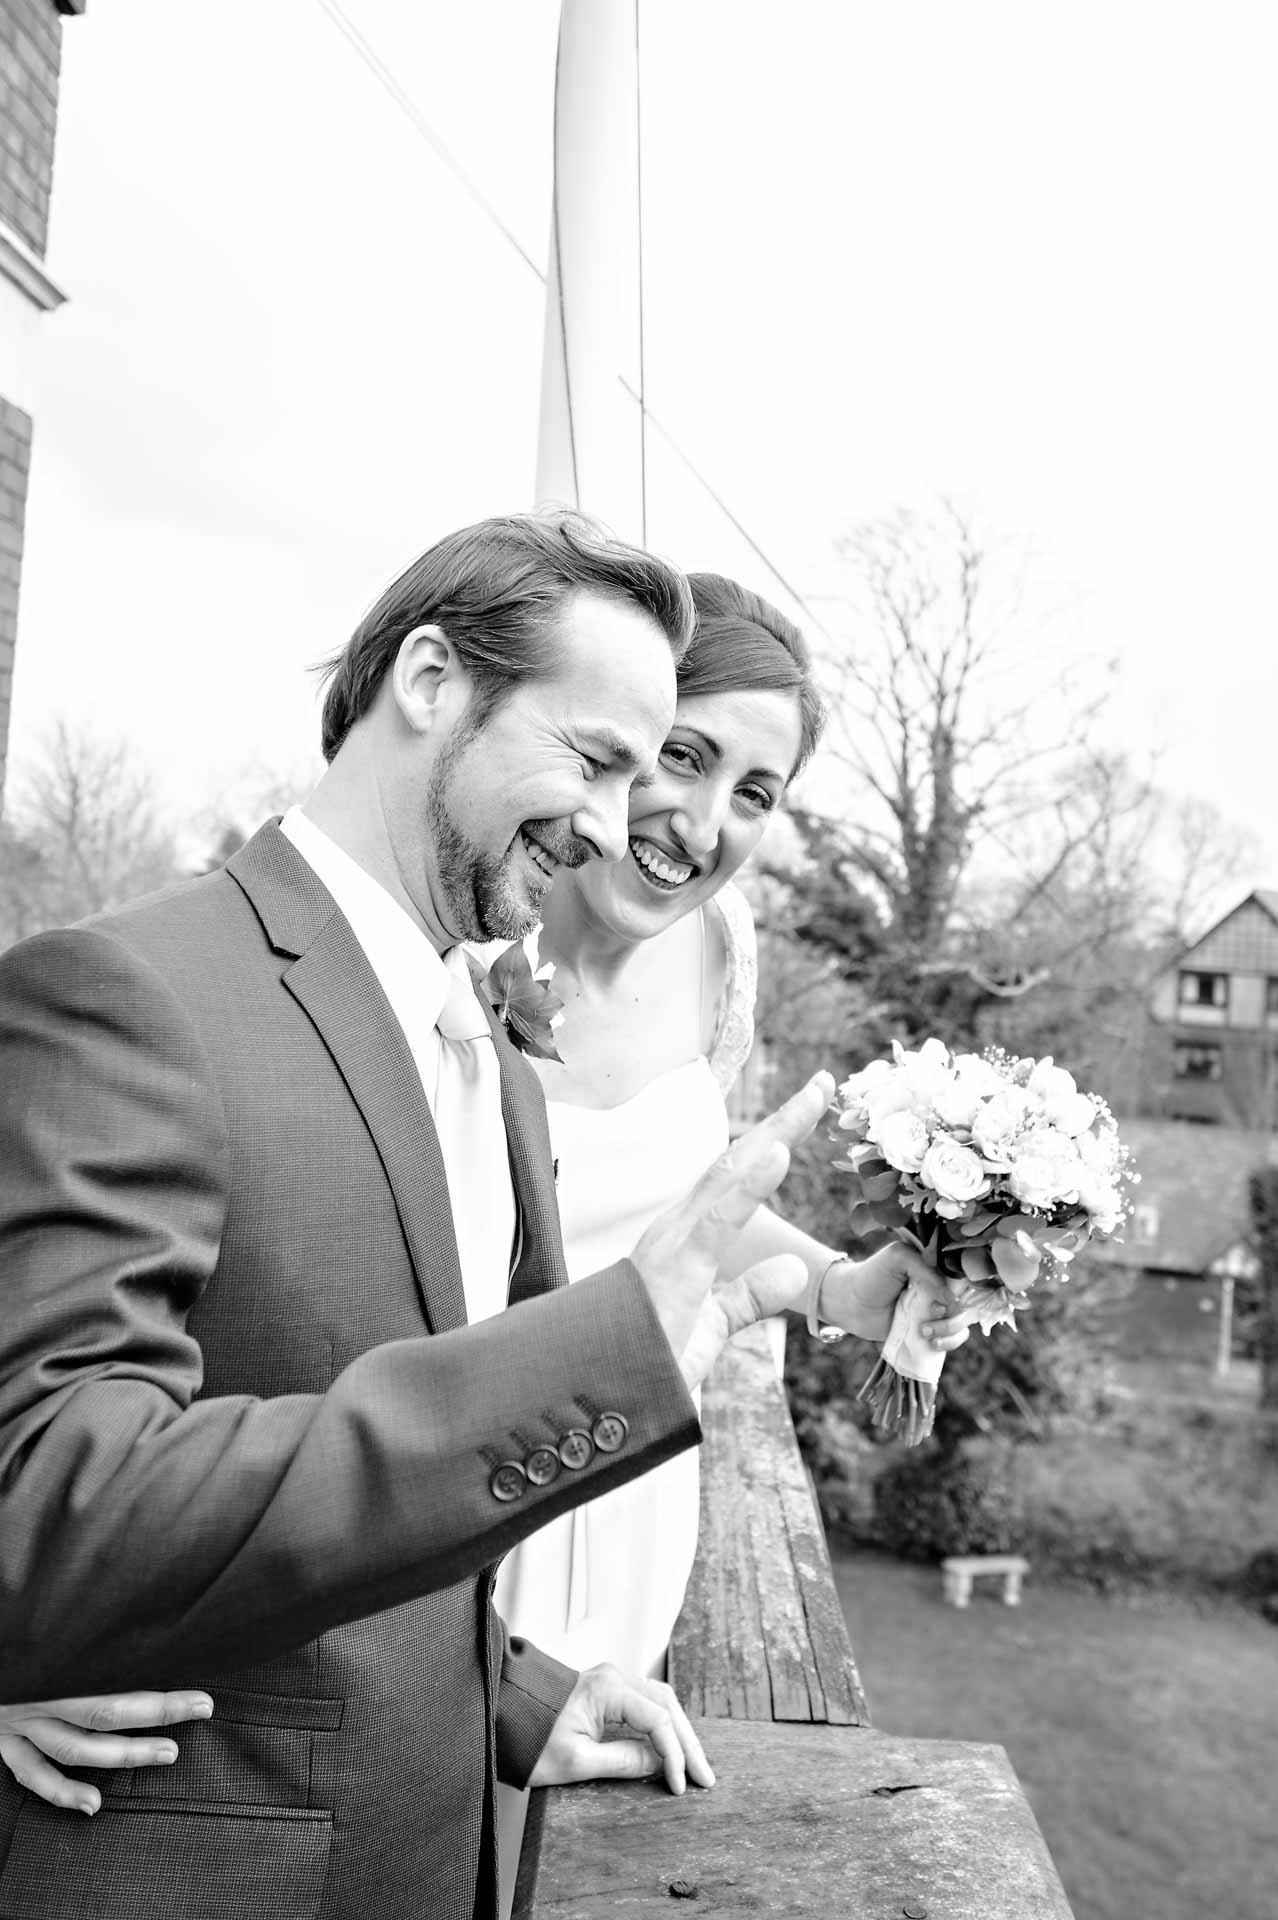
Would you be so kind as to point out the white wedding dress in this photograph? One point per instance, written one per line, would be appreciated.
(606, 1582)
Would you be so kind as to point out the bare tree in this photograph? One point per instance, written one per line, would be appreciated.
(1111, 878)
(941, 711)
(82, 835)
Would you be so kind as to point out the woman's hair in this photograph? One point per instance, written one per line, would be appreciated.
(496, 590)
(742, 644)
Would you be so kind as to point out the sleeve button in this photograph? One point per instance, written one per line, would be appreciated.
(576, 1449)
(542, 1466)
(508, 1482)
(610, 1432)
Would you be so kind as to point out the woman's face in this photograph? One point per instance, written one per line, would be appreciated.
(720, 775)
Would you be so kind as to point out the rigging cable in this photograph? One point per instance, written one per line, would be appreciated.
(404, 101)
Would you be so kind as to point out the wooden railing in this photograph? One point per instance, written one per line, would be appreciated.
(814, 1813)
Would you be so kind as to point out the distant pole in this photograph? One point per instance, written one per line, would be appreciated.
(1225, 1329)
(590, 440)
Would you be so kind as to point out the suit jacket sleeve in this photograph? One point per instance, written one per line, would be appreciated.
(146, 1534)
(531, 1693)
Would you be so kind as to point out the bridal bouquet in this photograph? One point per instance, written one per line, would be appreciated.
(988, 1165)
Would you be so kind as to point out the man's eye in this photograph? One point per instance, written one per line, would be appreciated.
(596, 766)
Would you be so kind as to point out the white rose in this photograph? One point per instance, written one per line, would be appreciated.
(955, 1175)
(980, 1075)
(1073, 1116)
(932, 1056)
(1099, 1148)
(956, 1103)
(926, 1072)
(854, 1087)
(892, 1097)
(997, 1122)
(1100, 1199)
(1046, 1169)
(854, 1114)
(1056, 1096)
(903, 1139)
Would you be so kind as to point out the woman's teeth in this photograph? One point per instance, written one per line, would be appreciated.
(670, 873)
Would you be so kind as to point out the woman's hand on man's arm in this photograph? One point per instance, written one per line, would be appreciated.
(38, 1738)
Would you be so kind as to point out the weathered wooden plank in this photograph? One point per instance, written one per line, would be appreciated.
(761, 1635)
(839, 1821)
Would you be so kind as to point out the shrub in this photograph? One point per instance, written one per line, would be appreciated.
(1260, 1575)
(930, 1502)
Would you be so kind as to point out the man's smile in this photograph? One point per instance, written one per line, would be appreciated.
(546, 862)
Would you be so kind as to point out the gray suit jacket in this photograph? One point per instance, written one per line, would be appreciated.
(247, 1441)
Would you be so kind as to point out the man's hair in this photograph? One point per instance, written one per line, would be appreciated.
(743, 645)
(496, 590)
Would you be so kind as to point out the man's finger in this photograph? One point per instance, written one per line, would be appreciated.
(775, 1284)
(769, 1287)
(752, 1169)
(699, 1767)
(790, 1124)
(617, 1760)
(728, 1193)
(652, 1708)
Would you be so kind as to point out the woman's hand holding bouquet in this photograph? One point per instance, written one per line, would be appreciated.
(986, 1165)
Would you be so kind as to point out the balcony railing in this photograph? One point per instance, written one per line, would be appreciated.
(815, 1812)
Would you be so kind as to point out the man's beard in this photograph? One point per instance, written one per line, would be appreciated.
(483, 899)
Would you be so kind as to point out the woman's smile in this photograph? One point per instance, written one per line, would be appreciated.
(660, 868)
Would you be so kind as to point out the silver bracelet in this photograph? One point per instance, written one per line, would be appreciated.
(812, 1300)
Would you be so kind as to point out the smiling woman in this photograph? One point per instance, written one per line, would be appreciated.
(654, 959)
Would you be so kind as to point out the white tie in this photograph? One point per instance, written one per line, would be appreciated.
(472, 1139)
(461, 1017)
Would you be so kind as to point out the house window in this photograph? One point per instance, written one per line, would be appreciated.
(1271, 997)
(1196, 1060)
(1204, 989)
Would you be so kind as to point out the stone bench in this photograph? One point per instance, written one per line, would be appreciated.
(959, 1571)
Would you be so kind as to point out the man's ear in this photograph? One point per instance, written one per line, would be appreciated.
(427, 677)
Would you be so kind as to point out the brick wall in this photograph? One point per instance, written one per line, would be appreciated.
(30, 56)
(15, 455)
(30, 59)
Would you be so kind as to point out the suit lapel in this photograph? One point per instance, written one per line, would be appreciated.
(332, 979)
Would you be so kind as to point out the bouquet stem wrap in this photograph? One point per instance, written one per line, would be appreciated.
(901, 1390)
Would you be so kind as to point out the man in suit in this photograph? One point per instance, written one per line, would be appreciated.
(268, 1179)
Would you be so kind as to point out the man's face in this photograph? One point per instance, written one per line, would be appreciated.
(545, 780)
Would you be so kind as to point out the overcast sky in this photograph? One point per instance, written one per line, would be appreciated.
(1015, 251)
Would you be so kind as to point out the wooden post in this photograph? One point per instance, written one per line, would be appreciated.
(814, 1811)
(1225, 1328)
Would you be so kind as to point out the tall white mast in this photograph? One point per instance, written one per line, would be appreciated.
(590, 443)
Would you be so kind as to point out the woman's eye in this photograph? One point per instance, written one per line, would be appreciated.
(685, 758)
(758, 799)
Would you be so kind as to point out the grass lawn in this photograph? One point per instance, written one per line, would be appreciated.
(1144, 1729)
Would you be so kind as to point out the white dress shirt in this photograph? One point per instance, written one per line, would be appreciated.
(461, 1081)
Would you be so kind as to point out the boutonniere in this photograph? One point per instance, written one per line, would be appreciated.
(525, 1002)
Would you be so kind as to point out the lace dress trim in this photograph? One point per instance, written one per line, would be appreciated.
(734, 1036)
